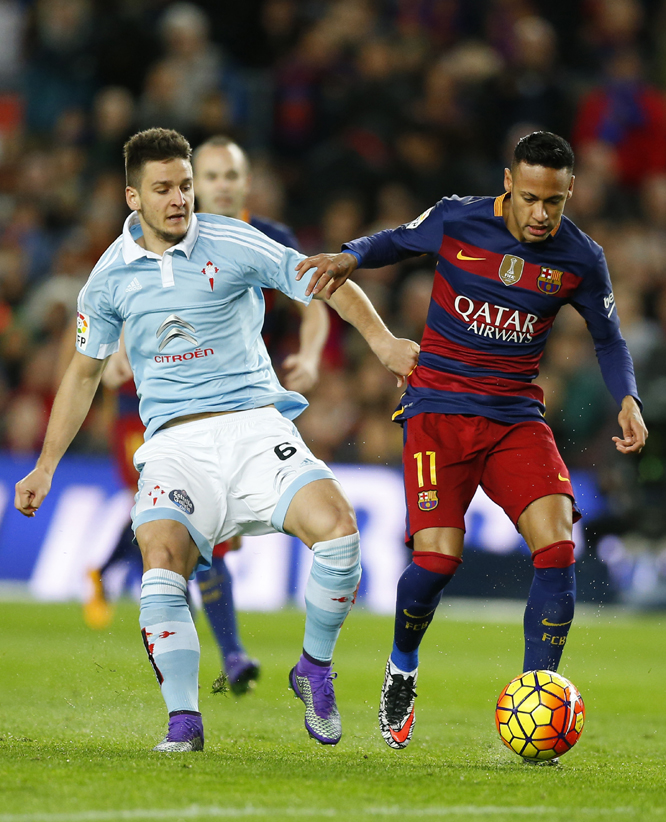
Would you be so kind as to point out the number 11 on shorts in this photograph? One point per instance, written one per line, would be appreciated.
(418, 456)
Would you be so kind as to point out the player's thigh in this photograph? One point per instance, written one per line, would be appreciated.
(449, 541)
(526, 476)
(320, 511)
(442, 461)
(273, 467)
(180, 483)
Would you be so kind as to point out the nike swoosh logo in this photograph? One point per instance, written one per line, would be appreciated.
(403, 733)
(417, 616)
(563, 479)
(555, 624)
(461, 256)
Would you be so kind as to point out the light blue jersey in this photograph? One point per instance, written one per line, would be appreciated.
(193, 318)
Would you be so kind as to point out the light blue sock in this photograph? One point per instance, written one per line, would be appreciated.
(330, 593)
(170, 638)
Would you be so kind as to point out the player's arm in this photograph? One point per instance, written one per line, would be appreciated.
(398, 355)
(302, 368)
(118, 369)
(595, 302)
(422, 236)
(70, 408)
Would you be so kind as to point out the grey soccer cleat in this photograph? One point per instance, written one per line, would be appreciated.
(185, 734)
(313, 684)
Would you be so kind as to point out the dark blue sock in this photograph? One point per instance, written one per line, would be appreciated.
(548, 617)
(218, 601)
(418, 595)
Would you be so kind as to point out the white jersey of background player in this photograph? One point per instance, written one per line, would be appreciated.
(221, 455)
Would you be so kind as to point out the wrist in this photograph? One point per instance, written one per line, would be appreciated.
(380, 341)
(46, 465)
(356, 257)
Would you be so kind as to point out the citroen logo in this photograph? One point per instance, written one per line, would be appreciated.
(175, 327)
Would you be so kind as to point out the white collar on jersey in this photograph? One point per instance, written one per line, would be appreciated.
(133, 251)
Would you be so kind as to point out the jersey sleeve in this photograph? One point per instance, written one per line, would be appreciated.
(275, 267)
(422, 236)
(594, 301)
(98, 326)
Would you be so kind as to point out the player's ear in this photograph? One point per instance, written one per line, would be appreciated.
(132, 198)
(571, 187)
(508, 180)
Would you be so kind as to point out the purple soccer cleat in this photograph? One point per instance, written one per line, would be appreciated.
(313, 684)
(185, 734)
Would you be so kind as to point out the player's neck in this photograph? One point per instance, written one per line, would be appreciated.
(154, 242)
(509, 220)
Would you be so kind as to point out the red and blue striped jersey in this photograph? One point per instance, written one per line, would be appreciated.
(493, 304)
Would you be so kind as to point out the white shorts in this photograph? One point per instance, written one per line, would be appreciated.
(225, 475)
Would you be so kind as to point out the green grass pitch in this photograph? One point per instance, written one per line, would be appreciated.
(79, 712)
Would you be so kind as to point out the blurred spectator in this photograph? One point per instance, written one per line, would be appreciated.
(12, 24)
(179, 85)
(530, 87)
(628, 115)
(60, 61)
(113, 122)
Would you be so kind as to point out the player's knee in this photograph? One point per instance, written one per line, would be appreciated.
(334, 520)
(342, 553)
(167, 544)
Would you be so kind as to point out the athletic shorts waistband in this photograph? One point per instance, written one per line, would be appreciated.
(216, 420)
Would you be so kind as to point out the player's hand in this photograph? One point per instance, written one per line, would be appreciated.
(117, 371)
(331, 271)
(634, 432)
(301, 373)
(400, 356)
(31, 491)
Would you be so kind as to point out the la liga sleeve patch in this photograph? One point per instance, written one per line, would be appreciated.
(82, 330)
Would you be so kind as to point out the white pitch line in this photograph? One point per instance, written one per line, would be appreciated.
(196, 812)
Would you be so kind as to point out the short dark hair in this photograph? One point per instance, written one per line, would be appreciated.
(543, 148)
(158, 144)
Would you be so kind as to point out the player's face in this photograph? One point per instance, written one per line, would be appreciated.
(222, 180)
(164, 202)
(538, 197)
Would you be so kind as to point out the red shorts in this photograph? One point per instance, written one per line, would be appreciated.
(223, 548)
(447, 456)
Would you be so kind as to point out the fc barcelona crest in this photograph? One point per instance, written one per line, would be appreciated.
(549, 280)
(511, 269)
(428, 500)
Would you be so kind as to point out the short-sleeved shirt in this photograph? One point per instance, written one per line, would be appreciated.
(193, 318)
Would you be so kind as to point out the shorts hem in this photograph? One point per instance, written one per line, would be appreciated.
(576, 510)
(280, 511)
(204, 546)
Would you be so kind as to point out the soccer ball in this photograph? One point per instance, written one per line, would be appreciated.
(540, 715)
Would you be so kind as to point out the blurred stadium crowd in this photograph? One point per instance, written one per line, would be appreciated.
(357, 115)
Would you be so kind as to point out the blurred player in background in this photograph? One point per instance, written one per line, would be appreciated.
(471, 413)
(221, 455)
(222, 184)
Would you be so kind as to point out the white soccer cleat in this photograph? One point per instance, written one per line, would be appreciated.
(396, 708)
